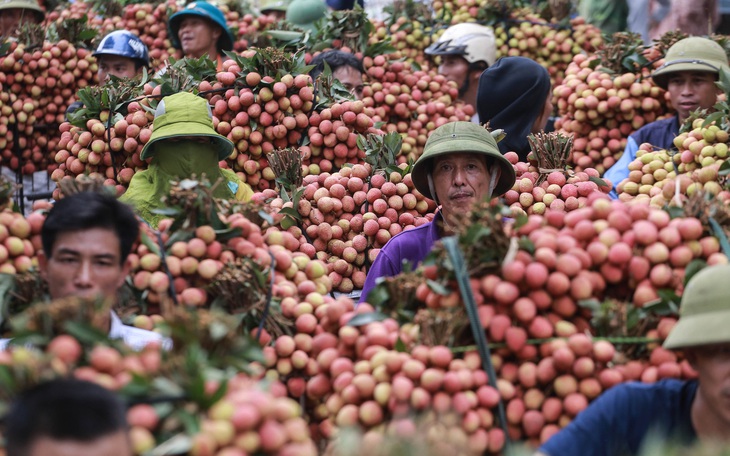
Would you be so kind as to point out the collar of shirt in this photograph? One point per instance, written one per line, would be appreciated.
(136, 338)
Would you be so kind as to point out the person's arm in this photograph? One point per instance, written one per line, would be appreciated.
(620, 170)
(244, 192)
(383, 266)
(602, 429)
(660, 12)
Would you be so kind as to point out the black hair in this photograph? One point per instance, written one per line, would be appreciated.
(87, 210)
(62, 409)
(335, 60)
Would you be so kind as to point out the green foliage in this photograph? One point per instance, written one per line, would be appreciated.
(273, 62)
(330, 90)
(111, 98)
(75, 31)
(381, 151)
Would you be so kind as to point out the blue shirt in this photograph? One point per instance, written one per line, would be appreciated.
(411, 245)
(660, 133)
(618, 421)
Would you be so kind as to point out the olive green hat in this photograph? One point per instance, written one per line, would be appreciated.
(460, 137)
(185, 114)
(305, 13)
(704, 314)
(691, 54)
(24, 4)
(274, 5)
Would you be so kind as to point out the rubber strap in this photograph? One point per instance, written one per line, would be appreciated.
(462, 278)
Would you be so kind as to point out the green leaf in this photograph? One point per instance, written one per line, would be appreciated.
(598, 181)
(710, 119)
(366, 318)
(400, 346)
(693, 268)
(438, 288)
(85, 332)
(724, 168)
(177, 444)
(149, 243)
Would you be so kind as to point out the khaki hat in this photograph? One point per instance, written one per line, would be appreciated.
(691, 54)
(185, 114)
(461, 137)
(274, 5)
(704, 315)
(24, 4)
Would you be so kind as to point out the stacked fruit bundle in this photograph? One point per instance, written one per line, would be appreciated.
(39, 81)
(546, 182)
(602, 104)
(663, 177)
(412, 103)
(229, 412)
(348, 217)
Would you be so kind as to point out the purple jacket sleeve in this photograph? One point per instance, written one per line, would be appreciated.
(383, 266)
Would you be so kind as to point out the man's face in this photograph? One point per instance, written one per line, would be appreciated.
(454, 68)
(198, 36)
(115, 444)
(351, 79)
(460, 180)
(690, 90)
(712, 363)
(121, 67)
(12, 18)
(84, 263)
(277, 14)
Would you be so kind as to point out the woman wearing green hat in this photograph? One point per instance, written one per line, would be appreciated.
(461, 165)
(183, 143)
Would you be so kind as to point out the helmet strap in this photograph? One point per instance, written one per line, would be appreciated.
(431, 188)
(493, 178)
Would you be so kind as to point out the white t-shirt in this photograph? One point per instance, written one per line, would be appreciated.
(135, 338)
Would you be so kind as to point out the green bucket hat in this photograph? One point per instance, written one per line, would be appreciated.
(461, 137)
(691, 54)
(305, 13)
(185, 114)
(274, 5)
(31, 5)
(704, 314)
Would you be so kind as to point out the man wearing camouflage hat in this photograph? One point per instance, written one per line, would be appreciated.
(201, 29)
(461, 165)
(183, 143)
(672, 412)
(690, 70)
(14, 13)
(466, 50)
(276, 8)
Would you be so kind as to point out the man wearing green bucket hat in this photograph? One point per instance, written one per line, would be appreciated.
(14, 13)
(671, 411)
(201, 29)
(461, 165)
(276, 8)
(183, 143)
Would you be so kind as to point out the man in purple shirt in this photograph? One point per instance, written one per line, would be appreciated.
(461, 164)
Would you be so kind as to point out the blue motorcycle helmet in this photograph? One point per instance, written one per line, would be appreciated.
(207, 11)
(123, 43)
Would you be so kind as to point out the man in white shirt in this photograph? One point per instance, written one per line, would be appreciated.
(87, 238)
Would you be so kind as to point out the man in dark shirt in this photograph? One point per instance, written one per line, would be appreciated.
(678, 412)
(691, 67)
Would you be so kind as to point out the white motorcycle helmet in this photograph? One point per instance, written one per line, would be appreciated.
(473, 42)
